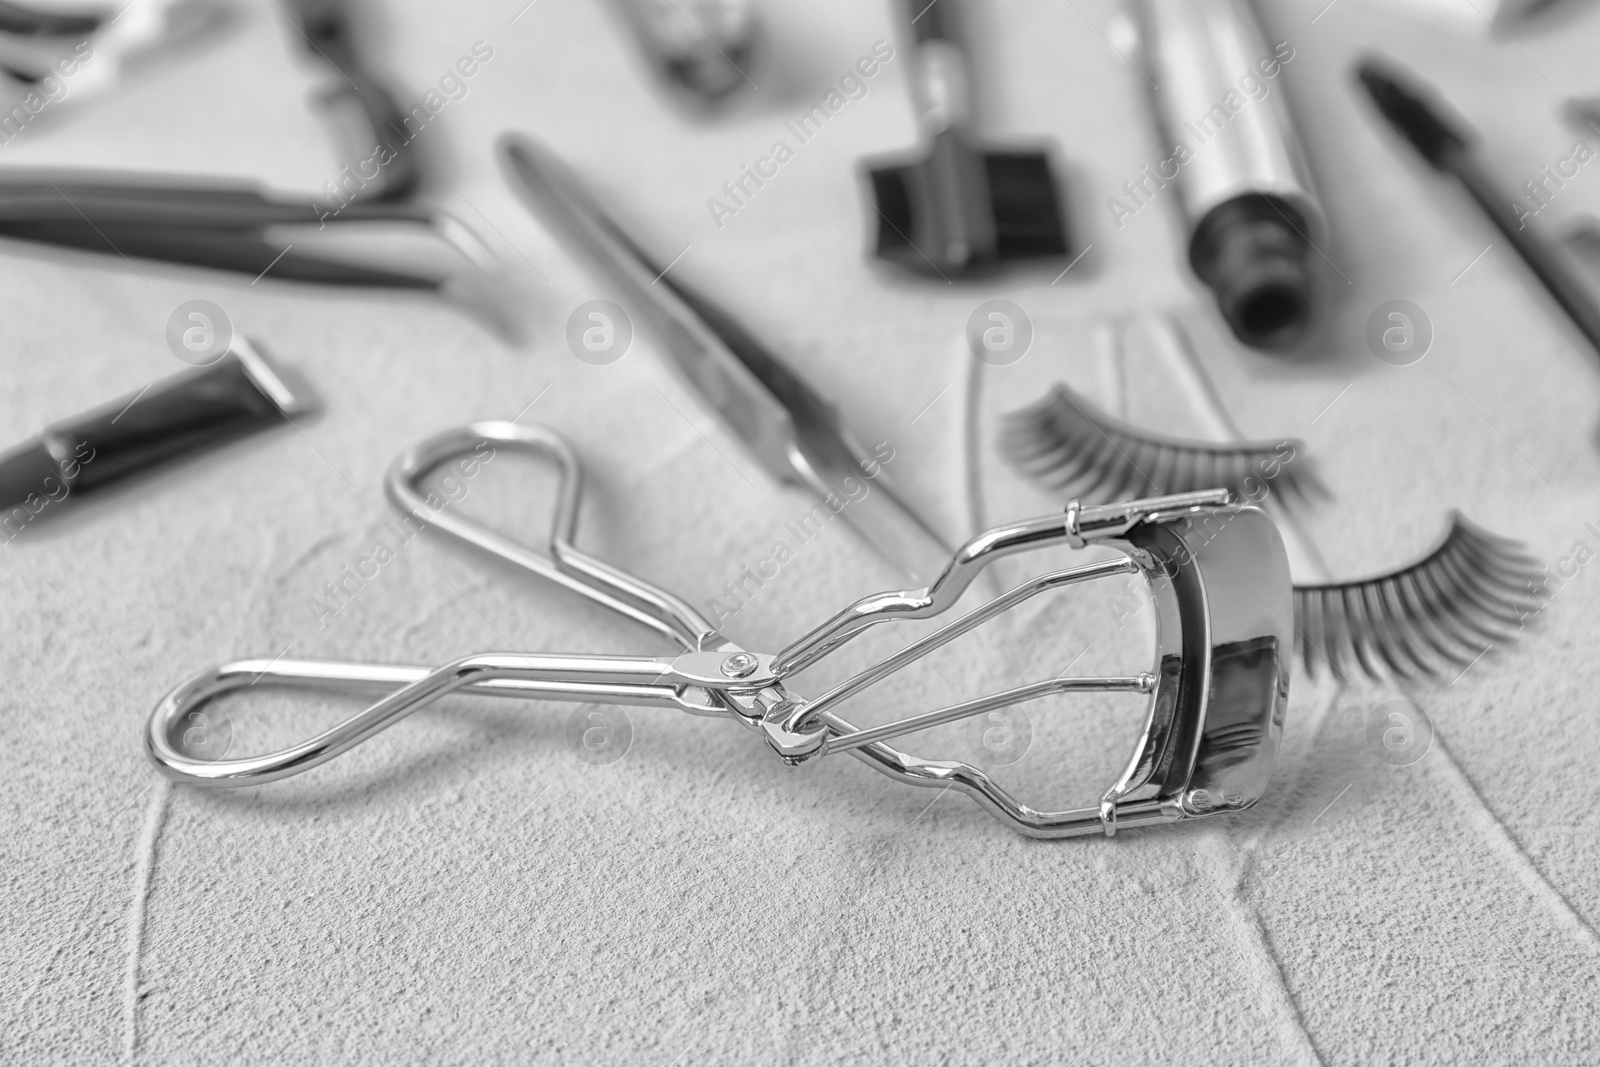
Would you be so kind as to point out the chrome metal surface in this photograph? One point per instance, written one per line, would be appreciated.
(793, 432)
(958, 574)
(266, 378)
(566, 565)
(1196, 52)
(845, 626)
(617, 680)
(966, 709)
(1217, 690)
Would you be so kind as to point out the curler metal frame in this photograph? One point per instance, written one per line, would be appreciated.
(1217, 690)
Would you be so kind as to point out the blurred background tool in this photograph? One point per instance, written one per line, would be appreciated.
(958, 207)
(50, 55)
(367, 227)
(791, 429)
(703, 47)
(235, 226)
(1452, 149)
(1486, 20)
(1253, 216)
(19, 20)
(1582, 237)
(237, 395)
(325, 26)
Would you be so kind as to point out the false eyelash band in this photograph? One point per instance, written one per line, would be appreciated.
(1471, 593)
(1066, 444)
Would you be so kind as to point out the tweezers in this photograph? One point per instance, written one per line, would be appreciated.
(221, 226)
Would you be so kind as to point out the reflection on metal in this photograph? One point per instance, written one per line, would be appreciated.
(1217, 689)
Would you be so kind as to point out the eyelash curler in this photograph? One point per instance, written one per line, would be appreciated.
(1469, 594)
(1217, 691)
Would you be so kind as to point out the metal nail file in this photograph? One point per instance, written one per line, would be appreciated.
(792, 430)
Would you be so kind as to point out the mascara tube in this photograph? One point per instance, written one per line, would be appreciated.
(1252, 212)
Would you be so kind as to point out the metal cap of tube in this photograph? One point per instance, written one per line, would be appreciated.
(1252, 212)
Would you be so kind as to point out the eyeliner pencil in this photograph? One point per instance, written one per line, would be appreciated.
(1453, 150)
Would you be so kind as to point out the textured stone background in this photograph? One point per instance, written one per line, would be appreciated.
(462, 889)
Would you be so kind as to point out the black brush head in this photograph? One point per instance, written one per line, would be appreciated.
(1017, 191)
(1409, 111)
(892, 194)
(1028, 220)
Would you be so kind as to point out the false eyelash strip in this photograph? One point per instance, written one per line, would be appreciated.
(1065, 443)
(1470, 594)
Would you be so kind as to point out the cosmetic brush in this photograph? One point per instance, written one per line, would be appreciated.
(1452, 148)
(960, 207)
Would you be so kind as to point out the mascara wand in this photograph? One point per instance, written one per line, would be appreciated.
(1454, 151)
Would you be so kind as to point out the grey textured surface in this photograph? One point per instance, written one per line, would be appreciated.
(463, 890)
